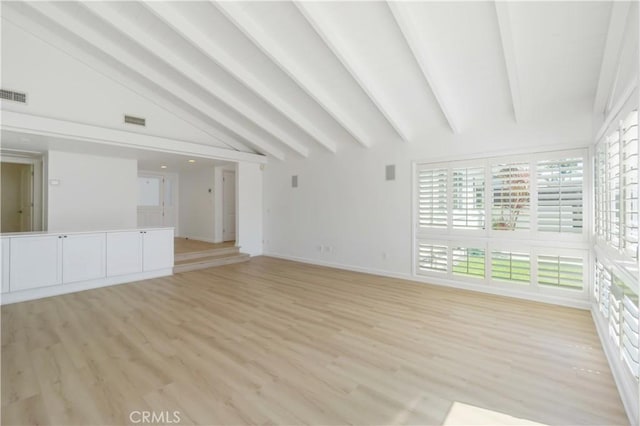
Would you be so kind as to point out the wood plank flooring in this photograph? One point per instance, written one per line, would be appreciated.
(277, 342)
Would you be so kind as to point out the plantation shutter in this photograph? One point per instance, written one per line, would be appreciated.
(597, 280)
(600, 201)
(615, 311)
(468, 198)
(510, 266)
(613, 189)
(432, 198)
(560, 271)
(630, 331)
(432, 258)
(510, 207)
(629, 185)
(468, 261)
(560, 195)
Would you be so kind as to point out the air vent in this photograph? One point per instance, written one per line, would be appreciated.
(135, 120)
(13, 96)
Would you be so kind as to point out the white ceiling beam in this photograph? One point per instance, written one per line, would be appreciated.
(47, 35)
(104, 11)
(213, 51)
(103, 43)
(357, 72)
(408, 30)
(271, 48)
(506, 37)
(87, 133)
(609, 69)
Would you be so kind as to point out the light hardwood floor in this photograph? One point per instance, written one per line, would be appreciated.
(277, 342)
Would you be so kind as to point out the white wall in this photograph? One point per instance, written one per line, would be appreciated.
(94, 193)
(249, 208)
(196, 204)
(60, 86)
(344, 213)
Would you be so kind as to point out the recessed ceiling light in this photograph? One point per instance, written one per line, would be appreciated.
(163, 167)
(192, 161)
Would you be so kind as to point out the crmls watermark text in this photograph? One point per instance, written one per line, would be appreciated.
(149, 417)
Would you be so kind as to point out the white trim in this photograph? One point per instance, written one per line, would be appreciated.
(619, 108)
(44, 126)
(55, 290)
(487, 155)
(544, 298)
(627, 386)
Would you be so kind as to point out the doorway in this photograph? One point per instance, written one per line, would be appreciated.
(228, 205)
(17, 197)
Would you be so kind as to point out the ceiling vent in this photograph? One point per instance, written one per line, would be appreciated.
(10, 95)
(135, 120)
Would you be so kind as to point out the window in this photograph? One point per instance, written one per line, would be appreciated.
(432, 198)
(560, 271)
(468, 261)
(630, 331)
(510, 204)
(468, 198)
(510, 266)
(432, 257)
(612, 207)
(464, 210)
(629, 185)
(617, 302)
(601, 209)
(560, 195)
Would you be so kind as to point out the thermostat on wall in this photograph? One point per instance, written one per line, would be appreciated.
(54, 182)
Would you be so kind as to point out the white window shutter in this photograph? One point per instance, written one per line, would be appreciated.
(468, 195)
(432, 258)
(468, 261)
(560, 202)
(432, 198)
(510, 208)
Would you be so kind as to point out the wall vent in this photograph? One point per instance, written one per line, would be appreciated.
(390, 172)
(10, 95)
(135, 120)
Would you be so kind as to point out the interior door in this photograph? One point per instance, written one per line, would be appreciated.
(228, 205)
(156, 206)
(150, 200)
(26, 198)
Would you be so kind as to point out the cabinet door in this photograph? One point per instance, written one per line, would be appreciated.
(124, 253)
(34, 262)
(158, 249)
(83, 257)
(4, 272)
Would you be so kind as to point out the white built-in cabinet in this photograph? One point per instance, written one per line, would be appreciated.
(132, 252)
(31, 264)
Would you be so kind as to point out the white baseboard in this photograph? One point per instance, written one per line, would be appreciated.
(627, 386)
(56, 290)
(499, 291)
(380, 272)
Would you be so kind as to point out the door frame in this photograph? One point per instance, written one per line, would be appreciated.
(218, 200)
(225, 174)
(38, 194)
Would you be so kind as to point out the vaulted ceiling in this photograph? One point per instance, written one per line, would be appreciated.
(289, 78)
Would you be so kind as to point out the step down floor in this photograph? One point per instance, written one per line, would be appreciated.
(213, 255)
